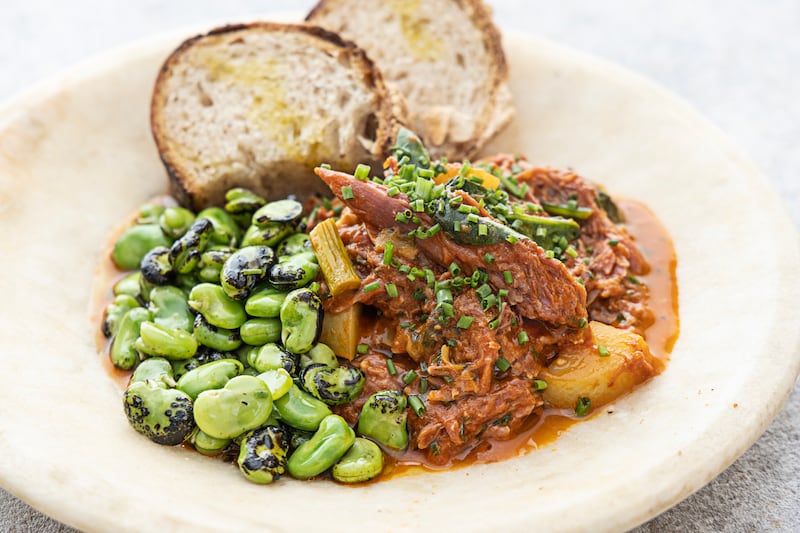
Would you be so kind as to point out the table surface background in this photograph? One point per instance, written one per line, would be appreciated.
(736, 61)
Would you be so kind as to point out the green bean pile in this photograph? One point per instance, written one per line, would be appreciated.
(220, 321)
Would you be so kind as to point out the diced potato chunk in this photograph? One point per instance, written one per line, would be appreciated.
(340, 331)
(602, 379)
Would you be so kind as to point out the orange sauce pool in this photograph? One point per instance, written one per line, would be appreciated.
(652, 239)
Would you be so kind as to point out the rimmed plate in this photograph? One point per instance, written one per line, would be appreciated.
(76, 156)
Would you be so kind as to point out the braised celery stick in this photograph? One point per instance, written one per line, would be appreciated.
(333, 259)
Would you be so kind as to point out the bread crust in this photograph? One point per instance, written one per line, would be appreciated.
(184, 185)
(497, 113)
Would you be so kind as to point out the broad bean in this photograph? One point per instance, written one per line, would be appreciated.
(216, 306)
(158, 340)
(216, 338)
(209, 376)
(156, 370)
(128, 285)
(329, 443)
(300, 410)
(206, 444)
(322, 354)
(137, 240)
(175, 221)
(123, 348)
(115, 311)
(294, 244)
(169, 308)
(278, 381)
(362, 462)
(243, 404)
(268, 234)
(260, 331)
(265, 302)
(271, 356)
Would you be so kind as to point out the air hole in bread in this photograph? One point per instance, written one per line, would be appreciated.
(460, 60)
(371, 127)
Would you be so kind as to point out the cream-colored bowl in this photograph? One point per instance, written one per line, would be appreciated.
(76, 157)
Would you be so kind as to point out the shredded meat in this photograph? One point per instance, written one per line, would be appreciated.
(468, 395)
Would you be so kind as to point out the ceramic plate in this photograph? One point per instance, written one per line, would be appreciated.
(76, 157)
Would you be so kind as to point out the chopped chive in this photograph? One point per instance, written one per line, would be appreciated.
(369, 287)
(430, 278)
(489, 258)
(409, 377)
(602, 350)
(326, 166)
(457, 226)
(508, 277)
(362, 172)
(392, 191)
(464, 209)
(417, 405)
(571, 251)
(539, 384)
(613, 242)
(464, 322)
(391, 290)
(512, 239)
(326, 202)
(494, 323)
(405, 325)
(347, 193)
(502, 364)
(549, 254)
(522, 338)
(433, 230)
(388, 252)
(423, 385)
(455, 269)
(488, 302)
(391, 367)
(484, 290)
(418, 205)
(483, 230)
(362, 348)
(402, 218)
(473, 218)
(634, 279)
(447, 310)
(582, 323)
(502, 293)
(582, 406)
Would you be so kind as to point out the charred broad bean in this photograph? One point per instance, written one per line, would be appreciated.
(334, 386)
(271, 356)
(262, 454)
(184, 254)
(384, 417)
(210, 266)
(163, 415)
(294, 271)
(294, 244)
(321, 354)
(244, 269)
(301, 320)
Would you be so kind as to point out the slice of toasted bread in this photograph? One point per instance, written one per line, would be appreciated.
(444, 56)
(260, 105)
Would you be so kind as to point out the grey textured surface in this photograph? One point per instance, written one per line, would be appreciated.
(737, 62)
